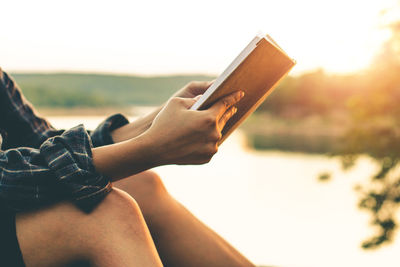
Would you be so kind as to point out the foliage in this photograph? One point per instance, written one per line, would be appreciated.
(312, 93)
(370, 101)
(94, 90)
(375, 131)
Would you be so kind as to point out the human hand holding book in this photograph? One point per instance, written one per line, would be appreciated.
(177, 135)
(257, 70)
(189, 130)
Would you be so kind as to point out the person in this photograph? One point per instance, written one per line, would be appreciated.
(88, 198)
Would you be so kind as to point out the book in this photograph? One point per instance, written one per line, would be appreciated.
(257, 70)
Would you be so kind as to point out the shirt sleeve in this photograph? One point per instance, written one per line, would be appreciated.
(40, 164)
(101, 136)
(60, 169)
(25, 128)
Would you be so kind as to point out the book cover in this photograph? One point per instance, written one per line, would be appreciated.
(257, 70)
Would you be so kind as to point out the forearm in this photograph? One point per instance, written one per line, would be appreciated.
(135, 128)
(124, 158)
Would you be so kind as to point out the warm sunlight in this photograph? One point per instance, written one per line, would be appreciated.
(161, 37)
(310, 178)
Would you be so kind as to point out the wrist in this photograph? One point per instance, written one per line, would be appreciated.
(150, 147)
(124, 159)
(125, 132)
(135, 128)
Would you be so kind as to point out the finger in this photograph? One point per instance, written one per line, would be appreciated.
(197, 97)
(200, 87)
(184, 102)
(226, 116)
(201, 84)
(222, 105)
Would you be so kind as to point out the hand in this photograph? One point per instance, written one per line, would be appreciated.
(134, 129)
(140, 125)
(183, 136)
(177, 135)
(193, 89)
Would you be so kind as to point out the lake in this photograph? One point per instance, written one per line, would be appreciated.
(271, 206)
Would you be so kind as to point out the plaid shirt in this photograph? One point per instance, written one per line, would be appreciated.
(40, 165)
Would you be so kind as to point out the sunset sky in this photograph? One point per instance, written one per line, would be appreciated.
(164, 37)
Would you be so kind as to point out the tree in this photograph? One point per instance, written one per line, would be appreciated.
(375, 131)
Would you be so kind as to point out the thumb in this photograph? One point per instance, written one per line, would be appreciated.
(187, 102)
(197, 97)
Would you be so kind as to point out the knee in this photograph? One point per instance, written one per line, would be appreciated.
(151, 183)
(117, 227)
(149, 191)
(117, 217)
(145, 185)
(116, 209)
(75, 234)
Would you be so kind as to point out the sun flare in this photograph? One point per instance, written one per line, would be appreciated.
(163, 37)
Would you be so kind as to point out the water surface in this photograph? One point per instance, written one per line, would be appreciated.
(272, 208)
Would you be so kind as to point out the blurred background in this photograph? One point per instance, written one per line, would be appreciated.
(310, 179)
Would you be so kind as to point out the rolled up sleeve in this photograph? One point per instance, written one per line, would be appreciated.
(61, 169)
(101, 136)
(40, 164)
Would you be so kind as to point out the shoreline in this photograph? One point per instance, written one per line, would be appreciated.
(263, 132)
(92, 111)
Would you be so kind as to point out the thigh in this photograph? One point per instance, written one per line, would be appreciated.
(113, 234)
(49, 236)
(10, 254)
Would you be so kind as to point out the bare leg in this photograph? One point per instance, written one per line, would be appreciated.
(114, 234)
(181, 239)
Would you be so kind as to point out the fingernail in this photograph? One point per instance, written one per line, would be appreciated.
(241, 94)
(234, 110)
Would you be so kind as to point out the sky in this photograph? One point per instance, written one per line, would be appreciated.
(171, 37)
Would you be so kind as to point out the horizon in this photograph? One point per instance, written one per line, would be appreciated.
(151, 75)
(111, 73)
